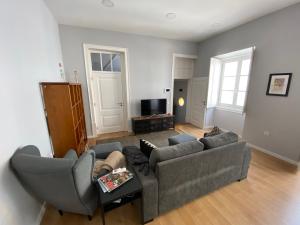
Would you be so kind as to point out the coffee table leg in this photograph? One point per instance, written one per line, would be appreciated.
(102, 215)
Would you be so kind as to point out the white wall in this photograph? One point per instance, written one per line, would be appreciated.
(29, 53)
(150, 61)
(231, 121)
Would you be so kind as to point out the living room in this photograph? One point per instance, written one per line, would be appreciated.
(123, 53)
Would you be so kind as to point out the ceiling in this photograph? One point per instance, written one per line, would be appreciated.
(195, 19)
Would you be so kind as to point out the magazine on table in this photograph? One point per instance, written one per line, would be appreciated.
(114, 179)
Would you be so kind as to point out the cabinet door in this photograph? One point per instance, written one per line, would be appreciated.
(184, 68)
(59, 117)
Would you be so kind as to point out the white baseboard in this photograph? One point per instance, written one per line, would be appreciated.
(283, 158)
(91, 136)
(41, 214)
(208, 127)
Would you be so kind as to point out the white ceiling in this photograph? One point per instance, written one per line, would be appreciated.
(195, 21)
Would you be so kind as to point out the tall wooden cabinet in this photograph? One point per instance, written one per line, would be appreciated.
(64, 112)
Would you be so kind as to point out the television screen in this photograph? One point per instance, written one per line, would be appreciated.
(153, 106)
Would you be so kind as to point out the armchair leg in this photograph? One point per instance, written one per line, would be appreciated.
(90, 217)
(60, 212)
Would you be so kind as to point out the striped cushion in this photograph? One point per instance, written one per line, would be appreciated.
(146, 147)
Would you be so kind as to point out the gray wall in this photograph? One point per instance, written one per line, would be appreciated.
(30, 53)
(277, 40)
(150, 61)
(180, 111)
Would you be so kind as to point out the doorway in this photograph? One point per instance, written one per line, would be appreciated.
(179, 100)
(106, 70)
(189, 93)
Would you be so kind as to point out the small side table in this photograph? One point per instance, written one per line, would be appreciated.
(128, 192)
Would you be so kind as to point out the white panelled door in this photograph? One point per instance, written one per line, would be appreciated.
(106, 82)
(198, 96)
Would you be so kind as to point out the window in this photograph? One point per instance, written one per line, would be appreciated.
(234, 82)
(107, 62)
(229, 78)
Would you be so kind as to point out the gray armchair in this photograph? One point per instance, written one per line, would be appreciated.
(66, 183)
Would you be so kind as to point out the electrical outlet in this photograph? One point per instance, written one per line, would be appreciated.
(166, 90)
(266, 133)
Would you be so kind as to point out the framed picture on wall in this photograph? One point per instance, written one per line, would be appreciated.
(279, 84)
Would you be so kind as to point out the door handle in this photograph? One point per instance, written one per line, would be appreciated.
(120, 104)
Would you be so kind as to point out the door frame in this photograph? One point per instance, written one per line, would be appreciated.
(188, 106)
(125, 82)
(178, 55)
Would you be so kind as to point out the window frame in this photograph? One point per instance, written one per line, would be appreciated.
(239, 58)
(111, 62)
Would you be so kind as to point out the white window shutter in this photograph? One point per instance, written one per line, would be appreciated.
(214, 82)
(251, 52)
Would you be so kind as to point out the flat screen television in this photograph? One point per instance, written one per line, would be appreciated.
(151, 107)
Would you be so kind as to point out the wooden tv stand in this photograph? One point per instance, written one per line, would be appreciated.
(145, 124)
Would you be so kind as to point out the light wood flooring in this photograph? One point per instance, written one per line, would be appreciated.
(269, 196)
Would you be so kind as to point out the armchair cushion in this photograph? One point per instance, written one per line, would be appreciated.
(71, 154)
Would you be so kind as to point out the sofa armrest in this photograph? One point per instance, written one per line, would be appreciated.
(150, 194)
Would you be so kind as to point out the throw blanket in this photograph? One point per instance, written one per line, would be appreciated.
(115, 160)
(135, 157)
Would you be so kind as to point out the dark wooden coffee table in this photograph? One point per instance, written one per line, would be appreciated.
(128, 192)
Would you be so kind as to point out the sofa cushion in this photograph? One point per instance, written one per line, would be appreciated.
(180, 138)
(146, 147)
(219, 140)
(174, 151)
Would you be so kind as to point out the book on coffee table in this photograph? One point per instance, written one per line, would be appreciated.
(114, 179)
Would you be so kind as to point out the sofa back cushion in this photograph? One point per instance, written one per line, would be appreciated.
(174, 151)
(219, 140)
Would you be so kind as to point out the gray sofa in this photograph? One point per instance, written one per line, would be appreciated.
(186, 171)
(66, 183)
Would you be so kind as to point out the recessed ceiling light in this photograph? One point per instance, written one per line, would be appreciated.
(171, 16)
(107, 3)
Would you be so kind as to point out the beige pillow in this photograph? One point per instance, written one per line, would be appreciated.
(97, 167)
(115, 160)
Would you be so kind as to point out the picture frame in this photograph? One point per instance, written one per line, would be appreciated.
(279, 84)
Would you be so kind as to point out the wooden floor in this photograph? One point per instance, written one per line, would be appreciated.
(269, 196)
